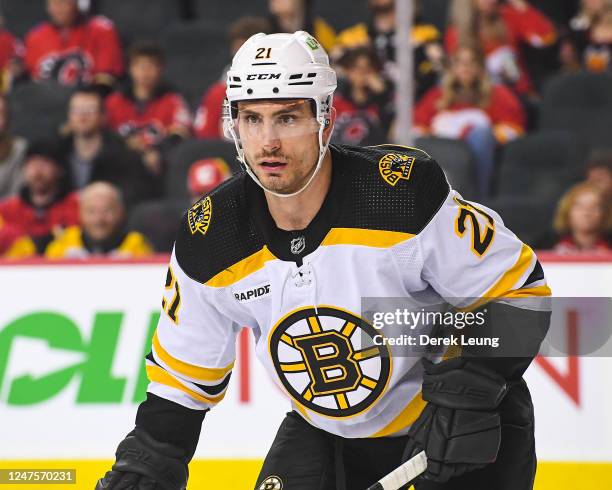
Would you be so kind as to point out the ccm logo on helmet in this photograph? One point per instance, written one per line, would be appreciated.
(263, 76)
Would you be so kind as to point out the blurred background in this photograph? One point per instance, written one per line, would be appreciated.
(110, 127)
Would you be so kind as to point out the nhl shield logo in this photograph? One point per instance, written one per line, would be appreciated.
(394, 167)
(298, 245)
(271, 483)
(199, 216)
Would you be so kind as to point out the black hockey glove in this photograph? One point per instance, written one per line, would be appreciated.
(146, 464)
(460, 427)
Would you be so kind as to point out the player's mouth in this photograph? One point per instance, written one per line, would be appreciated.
(272, 166)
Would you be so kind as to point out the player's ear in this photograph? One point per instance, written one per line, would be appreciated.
(329, 123)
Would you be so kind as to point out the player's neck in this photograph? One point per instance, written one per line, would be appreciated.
(296, 212)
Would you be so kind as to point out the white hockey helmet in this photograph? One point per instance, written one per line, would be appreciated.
(280, 66)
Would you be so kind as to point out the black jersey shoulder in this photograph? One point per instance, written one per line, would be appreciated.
(216, 231)
(389, 187)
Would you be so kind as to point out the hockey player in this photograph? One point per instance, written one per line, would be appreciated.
(289, 248)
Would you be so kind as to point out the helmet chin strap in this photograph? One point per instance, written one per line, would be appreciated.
(241, 157)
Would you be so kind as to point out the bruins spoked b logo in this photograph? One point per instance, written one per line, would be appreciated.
(271, 483)
(328, 361)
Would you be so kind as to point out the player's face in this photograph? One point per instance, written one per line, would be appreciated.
(280, 142)
(101, 215)
(85, 114)
(586, 213)
(62, 12)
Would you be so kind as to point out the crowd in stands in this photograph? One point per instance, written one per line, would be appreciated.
(104, 142)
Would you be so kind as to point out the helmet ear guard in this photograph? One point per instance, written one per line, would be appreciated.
(280, 66)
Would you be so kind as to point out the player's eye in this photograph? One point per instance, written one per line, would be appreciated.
(287, 119)
(251, 119)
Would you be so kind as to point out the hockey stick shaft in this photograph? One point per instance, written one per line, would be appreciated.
(402, 475)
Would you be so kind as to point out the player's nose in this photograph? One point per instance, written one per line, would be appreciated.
(269, 136)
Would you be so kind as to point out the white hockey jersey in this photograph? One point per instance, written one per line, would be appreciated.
(390, 226)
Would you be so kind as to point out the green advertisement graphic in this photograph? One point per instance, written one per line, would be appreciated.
(96, 383)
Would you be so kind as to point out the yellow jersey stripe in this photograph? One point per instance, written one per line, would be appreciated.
(241, 269)
(361, 236)
(506, 283)
(529, 292)
(159, 375)
(189, 370)
(405, 418)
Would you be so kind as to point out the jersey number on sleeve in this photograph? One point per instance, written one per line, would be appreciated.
(481, 239)
(172, 308)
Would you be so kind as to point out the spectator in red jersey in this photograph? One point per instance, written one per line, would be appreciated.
(208, 124)
(12, 152)
(44, 205)
(94, 153)
(73, 48)
(148, 114)
(581, 34)
(11, 58)
(499, 27)
(584, 220)
(204, 175)
(469, 106)
(363, 100)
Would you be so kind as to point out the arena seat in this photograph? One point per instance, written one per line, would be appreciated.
(38, 109)
(219, 12)
(158, 221)
(580, 103)
(196, 54)
(542, 164)
(455, 157)
(529, 217)
(140, 19)
(188, 152)
(20, 16)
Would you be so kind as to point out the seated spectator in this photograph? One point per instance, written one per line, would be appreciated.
(12, 152)
(468, 105)
(584, 220)
(580, 33)
(297, 15)
(379, 33)
(13, 243)
(73, 48)
(11, 58)
(205, 175)
(598, 52)
(94, 153)
(44, 206)
(499, 28)
(148, 114)
(101, 230)
(363, 100)
(208, 122)
(599, 171)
